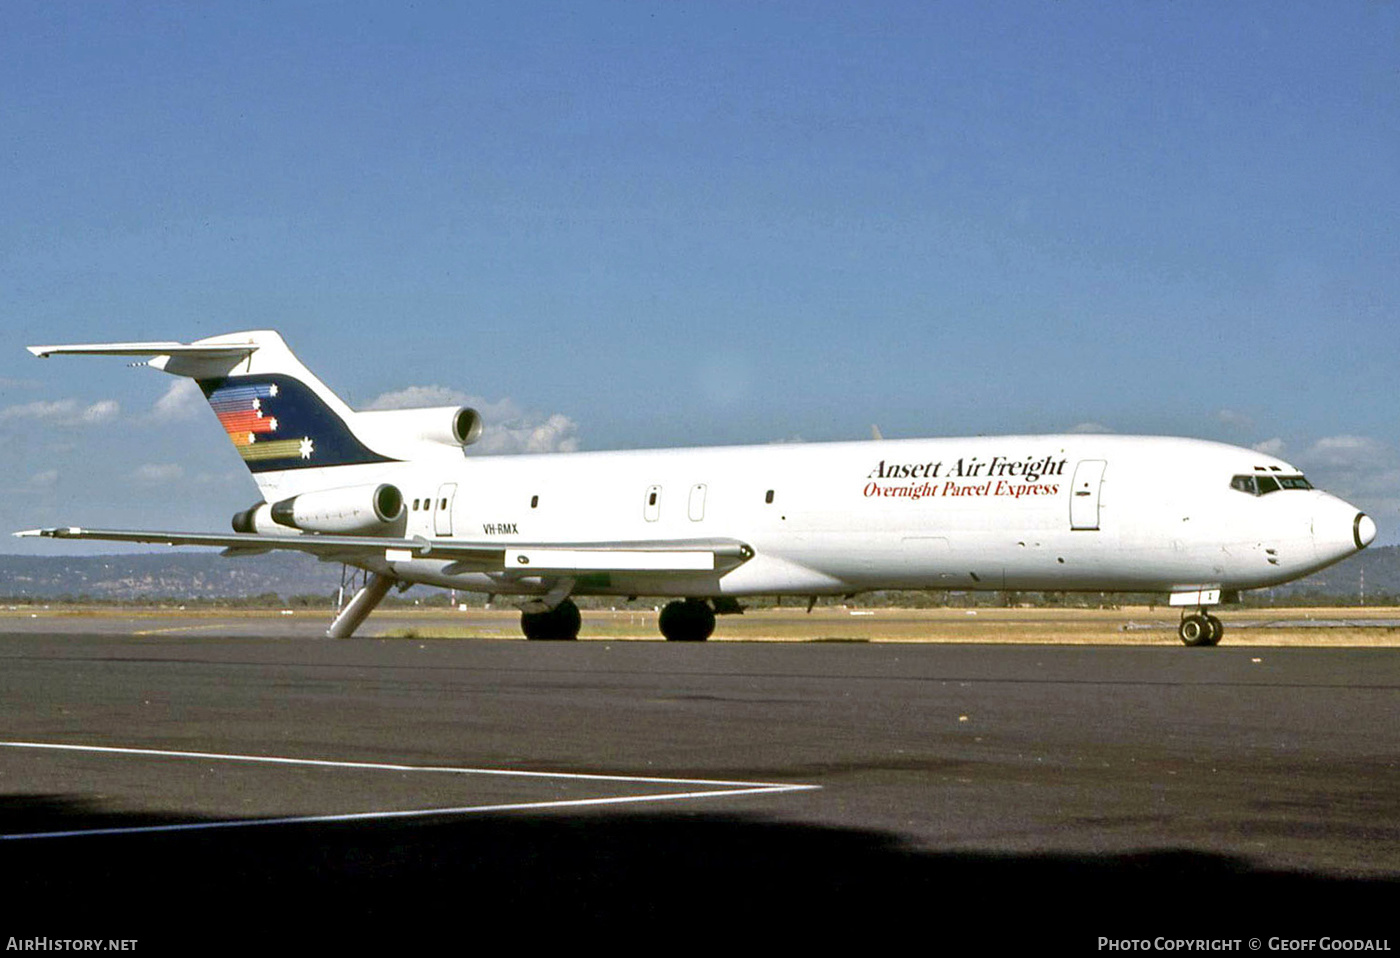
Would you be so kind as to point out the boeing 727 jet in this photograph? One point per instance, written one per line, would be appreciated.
(397, 494)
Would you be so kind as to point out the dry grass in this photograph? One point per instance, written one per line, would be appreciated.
(1127, 626)
(1140, 626)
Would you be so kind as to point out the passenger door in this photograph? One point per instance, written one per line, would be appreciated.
(442, 508)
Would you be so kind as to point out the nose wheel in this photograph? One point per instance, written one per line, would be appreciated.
(1200, 629)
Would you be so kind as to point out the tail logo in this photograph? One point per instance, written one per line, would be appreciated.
(276, 422)
(251, 429)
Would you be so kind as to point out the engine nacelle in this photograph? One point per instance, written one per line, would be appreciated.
(353, 511)
(257, 519)
(447, 425)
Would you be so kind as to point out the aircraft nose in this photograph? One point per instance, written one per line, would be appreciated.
(1339, 529)
(1363, 530)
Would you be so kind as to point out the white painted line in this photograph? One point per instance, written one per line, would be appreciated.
(714, 788)
(384, 767)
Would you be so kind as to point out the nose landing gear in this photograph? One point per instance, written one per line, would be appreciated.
(1199, 629)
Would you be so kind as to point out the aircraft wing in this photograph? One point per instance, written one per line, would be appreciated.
(548, 558)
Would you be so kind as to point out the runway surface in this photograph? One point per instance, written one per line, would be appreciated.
(371, 789)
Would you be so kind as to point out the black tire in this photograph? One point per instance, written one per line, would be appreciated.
(558, 624)
(1195, 630)
(690, 620)
(1217, 629)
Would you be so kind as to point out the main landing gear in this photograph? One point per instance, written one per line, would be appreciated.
(687, 620)
(684, 620)
(1200, 629)
(559, 623)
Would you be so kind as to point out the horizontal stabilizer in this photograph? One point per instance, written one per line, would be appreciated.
(188, 350)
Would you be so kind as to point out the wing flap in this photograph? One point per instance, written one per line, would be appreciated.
(537, 561)
(695, 555)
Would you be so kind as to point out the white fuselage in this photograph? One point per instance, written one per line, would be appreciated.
(1070, 512)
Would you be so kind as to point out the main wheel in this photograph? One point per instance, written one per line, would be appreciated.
(691, 620)
(1217, 629)
(559, 623)
(1195, 630)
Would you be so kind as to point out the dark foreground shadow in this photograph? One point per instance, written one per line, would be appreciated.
(655, 880)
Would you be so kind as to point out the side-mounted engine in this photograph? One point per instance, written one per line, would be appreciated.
(357, 510)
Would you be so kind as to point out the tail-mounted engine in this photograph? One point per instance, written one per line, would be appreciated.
(445, 425)
(358, 510)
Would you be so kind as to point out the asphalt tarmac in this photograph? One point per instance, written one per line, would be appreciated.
(218, 784)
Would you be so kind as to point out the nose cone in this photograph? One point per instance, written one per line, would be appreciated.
(1363, 530)
(1339, 529)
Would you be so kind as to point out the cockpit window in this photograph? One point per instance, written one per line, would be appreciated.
(1263, 485)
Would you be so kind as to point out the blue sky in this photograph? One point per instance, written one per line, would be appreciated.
(623, 225)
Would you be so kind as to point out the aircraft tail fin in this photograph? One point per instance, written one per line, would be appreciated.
(280, 417)
(276, 412)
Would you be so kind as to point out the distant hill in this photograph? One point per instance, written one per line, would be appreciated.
(207, 575)
(175, 575)
(1378, 567)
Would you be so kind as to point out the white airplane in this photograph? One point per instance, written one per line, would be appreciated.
(392, 493)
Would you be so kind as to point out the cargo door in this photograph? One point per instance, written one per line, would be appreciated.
(1084, 494)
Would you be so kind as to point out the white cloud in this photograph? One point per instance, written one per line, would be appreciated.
(48, 477)
(1346, 452)
(100, 412)
(1362, 470)
(157, 472)
(507, 428)
(39, 410)
(416, 397)
(1234, 419)
(183, 400)
(1089, 427)
(555, 434)
(1271, 447)
(62, 412)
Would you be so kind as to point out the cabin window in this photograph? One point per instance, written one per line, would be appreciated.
(534, 502)
(415, 505)
(769, 497)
